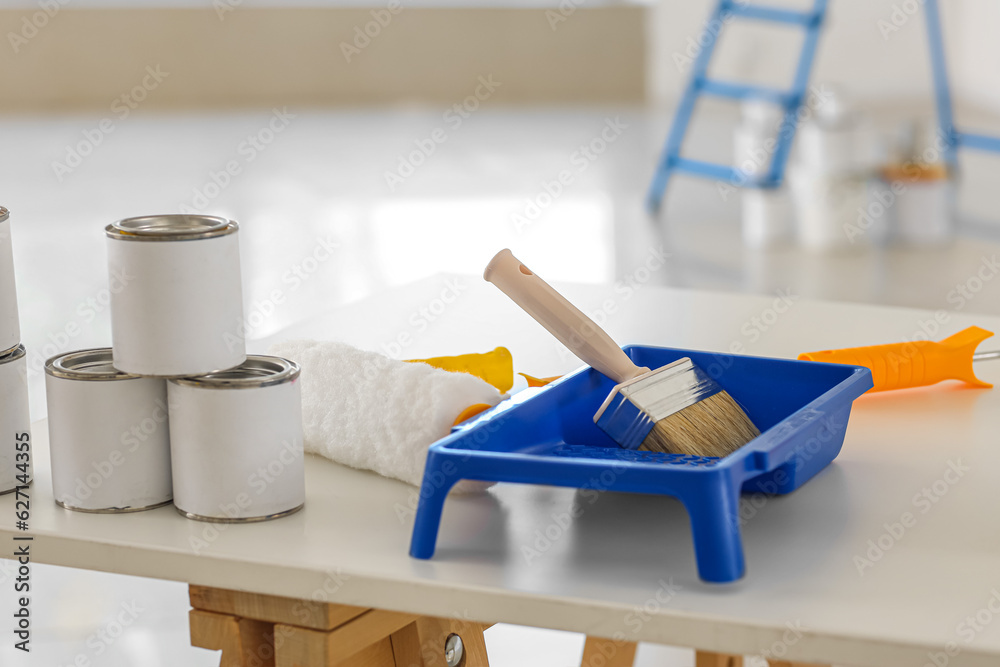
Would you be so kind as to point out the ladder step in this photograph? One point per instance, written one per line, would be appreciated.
(710, 169)
(980, 142)
(721, 172)
(774, 14)
(739, 91)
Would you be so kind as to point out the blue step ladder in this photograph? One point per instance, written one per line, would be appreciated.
(812, 21)
(953, 138)
(699, 84)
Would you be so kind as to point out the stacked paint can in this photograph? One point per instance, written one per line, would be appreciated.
(15, 432)
(175, 409)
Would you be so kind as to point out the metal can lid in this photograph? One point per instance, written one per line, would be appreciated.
(259, 370)
(4, 213)
(12, 354)
(171, 227)
(93, 364)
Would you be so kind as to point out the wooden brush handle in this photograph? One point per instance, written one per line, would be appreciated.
(565, 321)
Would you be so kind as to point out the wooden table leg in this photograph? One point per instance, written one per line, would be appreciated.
(243, 642)
(255, 630)
(706, 659)
(598, 652)
(425, 643)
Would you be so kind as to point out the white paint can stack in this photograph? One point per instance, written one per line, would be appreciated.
(108, 435)
(237, 442)
(180, 311)
(15, 431)
(831, 181)
(10, 328)
(175, 410)
(765, 212)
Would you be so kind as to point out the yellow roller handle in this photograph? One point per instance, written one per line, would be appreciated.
(915, 364)
(495, 367)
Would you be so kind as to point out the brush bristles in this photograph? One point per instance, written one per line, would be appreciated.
(715, 426)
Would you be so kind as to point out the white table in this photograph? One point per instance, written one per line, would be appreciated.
(626, 564)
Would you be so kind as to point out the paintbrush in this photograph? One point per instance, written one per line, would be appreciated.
(677, 408)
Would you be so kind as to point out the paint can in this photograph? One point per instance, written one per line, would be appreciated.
(827, 210)
(176, 295)
(236, 442)
(15, 423)
(108, 435)
(766, 216)
(10, 330)
(922, 202)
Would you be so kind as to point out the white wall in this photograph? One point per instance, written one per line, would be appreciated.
(858, 49)
(977, 55)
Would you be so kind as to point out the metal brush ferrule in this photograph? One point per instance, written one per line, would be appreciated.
(633, 408)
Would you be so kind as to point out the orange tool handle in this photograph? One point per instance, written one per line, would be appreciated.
(915, 364)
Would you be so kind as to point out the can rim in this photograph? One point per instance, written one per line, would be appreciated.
(239, 519)
(259, 370)
(113, 510)
(80, 365)
(171, 227)
(4, 213)
(12, 354)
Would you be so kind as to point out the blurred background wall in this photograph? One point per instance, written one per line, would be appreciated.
(72, 54)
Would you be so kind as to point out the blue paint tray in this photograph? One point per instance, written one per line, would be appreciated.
(548, 436)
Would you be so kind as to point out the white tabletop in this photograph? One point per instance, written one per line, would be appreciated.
(626, 563)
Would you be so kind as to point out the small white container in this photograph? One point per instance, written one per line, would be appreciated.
(829, 148)
(765, 212)
(108, 435)
(10, 329)
(236, 442)
(766, 217)
(924, 211)
(176, 295)
(828, 209)
(15, 424)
